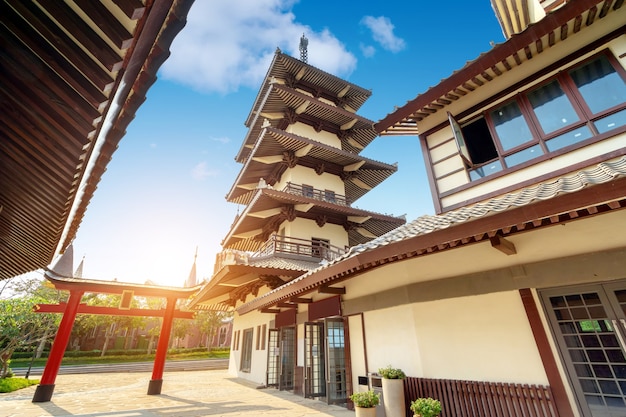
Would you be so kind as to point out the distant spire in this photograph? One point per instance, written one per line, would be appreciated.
(191, 280)
(304, 43)
(78, 273)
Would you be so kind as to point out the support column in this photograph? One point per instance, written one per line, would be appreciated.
(557, 386)
(156, 382)
(44, 390)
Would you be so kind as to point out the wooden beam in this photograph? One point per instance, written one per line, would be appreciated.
(298, 300)
(286, 305)
(505, 246)
(111, 311)
(270, 310)
(332, 290)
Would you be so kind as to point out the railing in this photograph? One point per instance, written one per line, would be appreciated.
(317, 194)
(482, 399)
(291, 245)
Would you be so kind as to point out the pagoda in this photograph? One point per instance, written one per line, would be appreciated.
(301, 174)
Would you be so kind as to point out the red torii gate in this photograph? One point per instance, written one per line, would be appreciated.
(77, 287)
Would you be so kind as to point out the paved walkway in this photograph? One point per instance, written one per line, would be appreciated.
(184, 394)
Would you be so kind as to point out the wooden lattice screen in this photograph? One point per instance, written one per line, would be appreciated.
(482, 399)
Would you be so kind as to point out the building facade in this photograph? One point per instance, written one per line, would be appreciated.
(511, 299)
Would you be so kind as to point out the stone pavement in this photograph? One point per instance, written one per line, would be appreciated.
(184, 394)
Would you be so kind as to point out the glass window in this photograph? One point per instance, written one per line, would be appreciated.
(307, 190)
(485, 170)
(569, 138)
(599, 84)
(523, 156)
(552, 107)
(611, 122)
(246, 351)
(511, 126)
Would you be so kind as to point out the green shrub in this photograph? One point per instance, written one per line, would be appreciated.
(426, 407)
(365, 399)
(391, 373)
(13, 384)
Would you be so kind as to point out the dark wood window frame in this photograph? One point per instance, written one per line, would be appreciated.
(246, 350)
(539, 138)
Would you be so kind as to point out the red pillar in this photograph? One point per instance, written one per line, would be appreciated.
(156, 382)
(44, 390)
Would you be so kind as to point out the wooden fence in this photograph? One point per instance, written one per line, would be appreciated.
(482, 399)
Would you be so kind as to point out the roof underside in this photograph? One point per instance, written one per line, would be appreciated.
(271, 207)
(560, 24)
(67, 68)
(271, 156)
(283, 105)
(586, 193)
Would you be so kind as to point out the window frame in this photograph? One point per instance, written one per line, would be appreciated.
(246, 350)
(586, 120)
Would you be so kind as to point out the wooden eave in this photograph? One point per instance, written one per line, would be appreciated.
(283, 105)
(216, 294)
(278, 203)
(116, 287)
(275, 143)
(556, 27)
(67, 67)
(569, 207)
(299, 74)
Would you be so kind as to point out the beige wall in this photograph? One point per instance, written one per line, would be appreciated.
(481, 338)
(307, 131)
(302, 175)
(307, 229)
(259, 357)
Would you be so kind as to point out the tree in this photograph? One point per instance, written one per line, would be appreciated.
(20, 326)
(209, 322)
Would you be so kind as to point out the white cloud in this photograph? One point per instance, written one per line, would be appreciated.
(221, 139)
(368, 51)
(227, 44)
(382, 32)
(202, 171)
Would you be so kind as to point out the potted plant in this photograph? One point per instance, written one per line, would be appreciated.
(426, 407)
(393, 391)
(365, 403)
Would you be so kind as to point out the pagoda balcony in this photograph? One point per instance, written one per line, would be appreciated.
(291, 246)
(317, 194)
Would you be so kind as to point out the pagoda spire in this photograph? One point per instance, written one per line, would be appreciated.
(192, 280)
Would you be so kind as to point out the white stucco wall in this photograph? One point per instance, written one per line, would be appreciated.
(307, 131)
(391, 340)
(303, 175)
(258, 365)
(482, 338)
(307, 229)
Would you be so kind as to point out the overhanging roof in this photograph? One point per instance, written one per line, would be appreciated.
(289, 71)
(266, 161)
(73, 75)
(586, 193)
(268, 205)
(556, 27)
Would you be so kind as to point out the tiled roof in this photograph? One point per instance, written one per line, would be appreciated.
(602, 173)
(283, 263)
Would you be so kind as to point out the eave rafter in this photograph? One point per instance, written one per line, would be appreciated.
(557, 27)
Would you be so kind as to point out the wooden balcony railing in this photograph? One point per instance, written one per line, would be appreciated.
(321, 195)
(294, 246)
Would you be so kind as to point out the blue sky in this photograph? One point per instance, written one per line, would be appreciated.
(163, 192)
